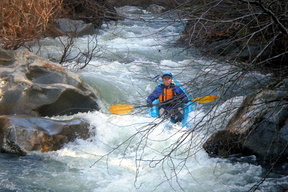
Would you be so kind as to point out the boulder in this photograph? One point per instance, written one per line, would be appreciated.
(6, 57)
(23, 134)
(76, 28)
(259, 127)
(129, 10)
(171, 4)
(155, 8)
(30, 85)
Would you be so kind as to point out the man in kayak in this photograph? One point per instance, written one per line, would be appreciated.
(170, 97)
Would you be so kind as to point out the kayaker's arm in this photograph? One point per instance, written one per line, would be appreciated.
(154, 95)
(180, 93)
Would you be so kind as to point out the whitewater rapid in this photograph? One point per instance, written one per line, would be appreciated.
(135, 152)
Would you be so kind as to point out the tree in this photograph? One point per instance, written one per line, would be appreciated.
(253, 32)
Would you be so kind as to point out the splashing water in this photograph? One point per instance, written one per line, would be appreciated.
(135, 152)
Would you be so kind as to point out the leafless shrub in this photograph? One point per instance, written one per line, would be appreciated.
(253, 31)
(73, 54)
(25, 20)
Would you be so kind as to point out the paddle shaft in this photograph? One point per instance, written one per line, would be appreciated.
(158, 104)
(198, 99)
(125, 108)
(142, 106)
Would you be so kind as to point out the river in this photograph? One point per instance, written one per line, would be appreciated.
(135, 152)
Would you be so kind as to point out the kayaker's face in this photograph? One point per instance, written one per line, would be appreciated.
(167, 81)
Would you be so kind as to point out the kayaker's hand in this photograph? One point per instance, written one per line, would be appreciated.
(185, 100)
(149, 104)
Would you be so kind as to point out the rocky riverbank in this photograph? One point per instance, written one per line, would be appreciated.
(33, 88)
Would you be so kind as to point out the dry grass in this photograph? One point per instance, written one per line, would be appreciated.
(24, 20)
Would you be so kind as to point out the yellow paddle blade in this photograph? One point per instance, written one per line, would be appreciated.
(120, 109)
(205, 99)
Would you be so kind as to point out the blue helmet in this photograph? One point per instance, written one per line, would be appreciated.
(167, 74)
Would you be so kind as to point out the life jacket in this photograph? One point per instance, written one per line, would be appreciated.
(167, 93)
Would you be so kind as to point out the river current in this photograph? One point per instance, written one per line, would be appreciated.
(136, 152)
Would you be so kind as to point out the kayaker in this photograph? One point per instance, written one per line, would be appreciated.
(170, 97)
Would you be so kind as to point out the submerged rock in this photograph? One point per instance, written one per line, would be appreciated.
(23, 134)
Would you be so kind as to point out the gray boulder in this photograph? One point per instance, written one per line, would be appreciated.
(75, 28)
(22, 134)
(30, 85)
(129, 10)
(155, 8)
(259, 127)
(170, 4)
